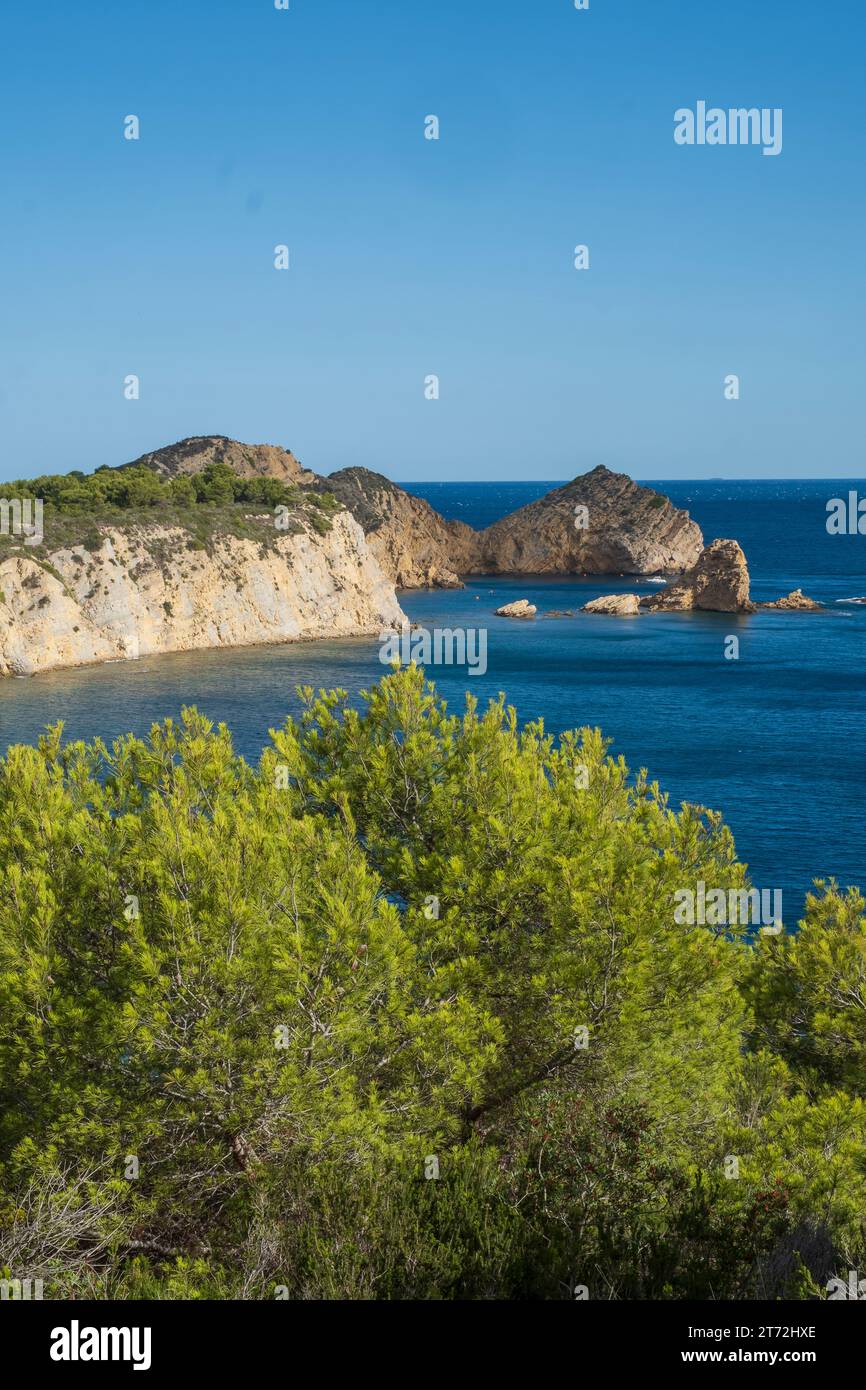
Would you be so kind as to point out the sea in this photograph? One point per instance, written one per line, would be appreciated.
(773, 736)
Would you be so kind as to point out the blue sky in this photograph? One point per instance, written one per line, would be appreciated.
(412, 257)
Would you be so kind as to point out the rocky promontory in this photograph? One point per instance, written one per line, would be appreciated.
(206, 543)
(600, 523)
(210, 542)
(415, 546)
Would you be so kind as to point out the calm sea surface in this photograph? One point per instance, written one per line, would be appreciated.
(775, 740)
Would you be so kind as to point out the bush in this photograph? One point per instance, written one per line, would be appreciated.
(403, 1011)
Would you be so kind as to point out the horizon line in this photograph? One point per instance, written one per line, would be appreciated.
(492, 482)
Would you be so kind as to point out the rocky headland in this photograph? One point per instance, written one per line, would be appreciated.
(119, 585)
(600, 523)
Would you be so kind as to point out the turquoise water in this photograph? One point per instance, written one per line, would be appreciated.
(775, 740)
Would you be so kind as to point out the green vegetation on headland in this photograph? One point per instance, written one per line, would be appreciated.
(404, 1012)
(214, 501)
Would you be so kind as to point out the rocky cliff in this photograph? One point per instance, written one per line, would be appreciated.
(414, 545)
(130, 586)
(150, 589)
(600, 523)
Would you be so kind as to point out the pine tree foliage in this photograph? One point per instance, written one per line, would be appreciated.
(404, 1011)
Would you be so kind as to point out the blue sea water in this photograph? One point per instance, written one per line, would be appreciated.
(774, 740)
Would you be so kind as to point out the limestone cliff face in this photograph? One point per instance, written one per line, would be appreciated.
(417, 547)
(145, 590)
(600, 523)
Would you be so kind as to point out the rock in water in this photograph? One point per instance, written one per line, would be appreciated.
(620, 604)
(521, 608)
(718, 583)
(795, 601)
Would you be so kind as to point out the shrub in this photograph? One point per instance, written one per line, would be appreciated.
(285, 989)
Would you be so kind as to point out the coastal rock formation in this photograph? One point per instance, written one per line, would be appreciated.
(520, 608)
(416, 547)
(600, 523)
(618, 604)
(122, 589)
(718, 583)
(795, 601)
(247, 460)
(147, 590)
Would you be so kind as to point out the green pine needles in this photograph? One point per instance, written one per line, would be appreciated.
(404, 1012)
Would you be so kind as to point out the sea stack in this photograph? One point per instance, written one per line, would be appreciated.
(717, 583)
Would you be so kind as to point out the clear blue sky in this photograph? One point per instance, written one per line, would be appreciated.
(411, 257)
